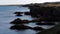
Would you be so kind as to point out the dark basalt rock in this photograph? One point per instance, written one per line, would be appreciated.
(38, 28)
(46, 23)
(18, 13)
(20, 27)
(19, 21)
(27, 13)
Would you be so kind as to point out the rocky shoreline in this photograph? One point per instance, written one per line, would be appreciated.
(48, 12)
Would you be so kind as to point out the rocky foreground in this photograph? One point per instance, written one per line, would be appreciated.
(54, 30)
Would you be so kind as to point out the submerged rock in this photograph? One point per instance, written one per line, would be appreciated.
(18, 13)
(20, 27)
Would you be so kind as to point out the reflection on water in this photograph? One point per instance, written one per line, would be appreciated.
(6, 16)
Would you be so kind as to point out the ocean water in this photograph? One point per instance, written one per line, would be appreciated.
(7, 15)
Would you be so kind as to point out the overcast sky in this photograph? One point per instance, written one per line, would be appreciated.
(3, 2)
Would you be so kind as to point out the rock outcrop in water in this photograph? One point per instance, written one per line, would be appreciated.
(19, 21)
(16, 21)
(18, 13)
(20, 27)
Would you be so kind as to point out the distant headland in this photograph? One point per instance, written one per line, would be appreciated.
(50, 4)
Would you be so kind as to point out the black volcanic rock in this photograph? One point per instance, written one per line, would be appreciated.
(20, 27)
(18, 13)
(27, 13)
(38, 28)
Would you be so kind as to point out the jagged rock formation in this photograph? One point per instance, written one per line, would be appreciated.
(19, 21)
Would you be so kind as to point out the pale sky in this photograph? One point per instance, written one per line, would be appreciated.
(3, 2)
